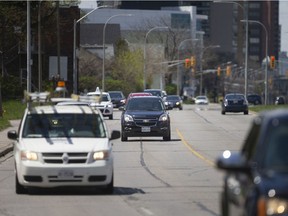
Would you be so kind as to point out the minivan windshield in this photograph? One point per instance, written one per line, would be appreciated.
(63, 125)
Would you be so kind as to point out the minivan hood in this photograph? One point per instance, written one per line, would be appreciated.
(64, 144)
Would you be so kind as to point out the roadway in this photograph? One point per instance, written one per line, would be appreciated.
(152, 177)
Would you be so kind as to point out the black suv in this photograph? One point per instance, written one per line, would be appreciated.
(254, 99)
(145, 116)
(256, 176)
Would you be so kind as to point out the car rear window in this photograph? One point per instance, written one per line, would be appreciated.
(63, 125)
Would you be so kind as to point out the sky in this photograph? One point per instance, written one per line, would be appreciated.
(283, 19)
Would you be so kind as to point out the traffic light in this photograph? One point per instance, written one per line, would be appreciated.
(228, 71)
(272, 62)
(187, 63)
(193, 61)
(219, 71)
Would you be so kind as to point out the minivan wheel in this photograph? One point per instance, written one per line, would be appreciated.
(109, 189)
(19, 189)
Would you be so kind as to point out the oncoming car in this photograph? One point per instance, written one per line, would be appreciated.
(63, 146)
(104, 104)
(234, 102)
(145, 116)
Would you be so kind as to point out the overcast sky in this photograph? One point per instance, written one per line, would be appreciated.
(283, 19)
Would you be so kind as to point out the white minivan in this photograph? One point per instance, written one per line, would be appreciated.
(63, 146)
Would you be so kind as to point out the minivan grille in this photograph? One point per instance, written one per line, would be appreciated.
(65, 158)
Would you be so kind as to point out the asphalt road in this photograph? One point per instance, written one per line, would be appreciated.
(152, 177)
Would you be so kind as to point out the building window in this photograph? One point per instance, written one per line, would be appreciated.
(254, 5)
(180, 21)
(254, 40)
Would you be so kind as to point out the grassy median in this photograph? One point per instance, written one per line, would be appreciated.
(11, 110)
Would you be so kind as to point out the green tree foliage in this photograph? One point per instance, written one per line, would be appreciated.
(127, 71)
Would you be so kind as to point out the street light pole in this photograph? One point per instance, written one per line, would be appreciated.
(266, 57)
(201, 66)
(144, 54)
(103, 63)
(75, 74)
(178, 68)
(245, 12)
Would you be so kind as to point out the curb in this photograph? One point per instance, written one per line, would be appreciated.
(6, 151)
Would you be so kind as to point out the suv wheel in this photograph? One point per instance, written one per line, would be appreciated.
(123, 137)
(168, 137)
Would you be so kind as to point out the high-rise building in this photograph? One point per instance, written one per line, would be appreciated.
(224, 26)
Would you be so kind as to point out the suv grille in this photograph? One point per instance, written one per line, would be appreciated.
(65, 158)
(146, 121)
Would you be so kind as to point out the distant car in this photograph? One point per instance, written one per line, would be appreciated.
(201, 100)
(173, 101)
(255, 180)
(137, 94)
(63, 146)
(279, 100)
(234, 102)
(156, 92)
(145, 116)
(118, 99)
(104, 104)
(254, 99)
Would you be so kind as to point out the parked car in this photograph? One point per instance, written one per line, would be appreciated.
(234, 102)
(254, 99)
(63, 146)
(255, 180)
(104, 103)
(202, 100)
(156, 92)
(279, 100)
(118, 99)
(145, 116)
(173, 101)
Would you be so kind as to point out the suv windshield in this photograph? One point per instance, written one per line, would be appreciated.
(63, 125)
(145, 104)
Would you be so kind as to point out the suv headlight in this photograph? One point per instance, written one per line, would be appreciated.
(128, 118)
(28, 155)
(163, 117)
(101, 155)
(272, 206)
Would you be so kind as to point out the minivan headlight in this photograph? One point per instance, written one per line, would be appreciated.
(28, 155)
(101, 155)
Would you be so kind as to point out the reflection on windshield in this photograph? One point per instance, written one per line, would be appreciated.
(142, 104)
(63, 125)
(278, 149)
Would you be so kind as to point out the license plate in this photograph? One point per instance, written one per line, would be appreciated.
(145, 129)
(64, 174)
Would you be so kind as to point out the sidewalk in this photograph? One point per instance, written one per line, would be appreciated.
(6, 145)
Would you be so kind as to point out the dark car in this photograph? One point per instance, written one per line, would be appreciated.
(234, 102)
(279, 100)
(254, 99)
(156, 92)
(145, 116)
(173, 101)
(256, 177)
(117, 98)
